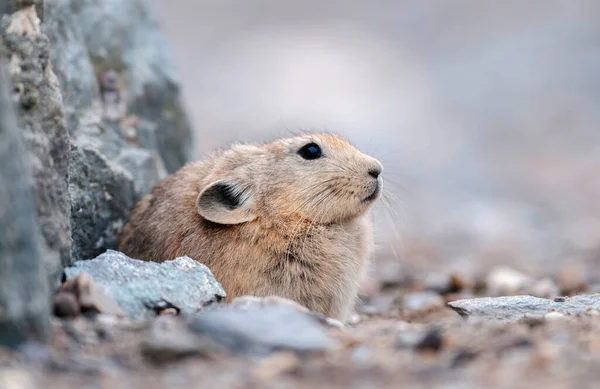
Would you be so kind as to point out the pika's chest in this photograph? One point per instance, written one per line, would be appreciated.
(323, 259)
(322, 271)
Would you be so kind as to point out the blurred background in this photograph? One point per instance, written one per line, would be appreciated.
(484, 114)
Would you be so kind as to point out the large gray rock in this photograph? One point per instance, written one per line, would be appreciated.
(517, 307)
(115, 63)
(122, 107)
(39, 107)
(262, 330)
(98, 102)
(138, 285)
(24, 297)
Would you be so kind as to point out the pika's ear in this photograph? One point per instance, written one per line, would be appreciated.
(226, 202)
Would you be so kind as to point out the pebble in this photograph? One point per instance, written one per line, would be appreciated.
(65, 305)
(432, 341)
(88, 296)
(91, 296)
(438, 282)
(361, 354)
(421, 301)
(571, 280)
(554, 316)
(278, 363)
(408, 338)
(503, 281)
(169, 339)
(16, 379)
(545, 288)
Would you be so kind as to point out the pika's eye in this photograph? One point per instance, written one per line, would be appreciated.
(310, 151)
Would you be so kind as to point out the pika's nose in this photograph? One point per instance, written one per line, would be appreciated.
(375, 171)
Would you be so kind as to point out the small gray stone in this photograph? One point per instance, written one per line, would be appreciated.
(432, 341)
(137, 285)
(421, 301)
(438, 282)
(409, 338)
(89, 296)
(169, 339)
(504, 280)
(65, 305)
(514, 308)
(264, 330)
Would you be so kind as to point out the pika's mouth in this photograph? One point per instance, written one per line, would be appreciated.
(373, 195)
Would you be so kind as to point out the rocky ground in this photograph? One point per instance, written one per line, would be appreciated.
(405, 334)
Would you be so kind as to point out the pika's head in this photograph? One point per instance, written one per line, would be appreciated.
(320, 178)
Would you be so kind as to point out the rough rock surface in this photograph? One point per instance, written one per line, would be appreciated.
(122, 64)
(98, 100)
(517, 307)
(121, 103)
(24, 298)
(102, 195)
(138, 286)
(38, 100)
(263, 330)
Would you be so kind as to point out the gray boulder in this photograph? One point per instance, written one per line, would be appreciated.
(138, 286)
(24, 297)
(125, 76)
(39, 107)
(122, 108)
(517, 307)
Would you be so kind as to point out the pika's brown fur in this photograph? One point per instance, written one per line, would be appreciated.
(267, 221)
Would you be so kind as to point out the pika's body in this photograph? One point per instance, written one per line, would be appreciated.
(288, 218)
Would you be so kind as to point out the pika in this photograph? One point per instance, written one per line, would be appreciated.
(289, 218)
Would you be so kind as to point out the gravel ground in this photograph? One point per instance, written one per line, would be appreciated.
(406, 336)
